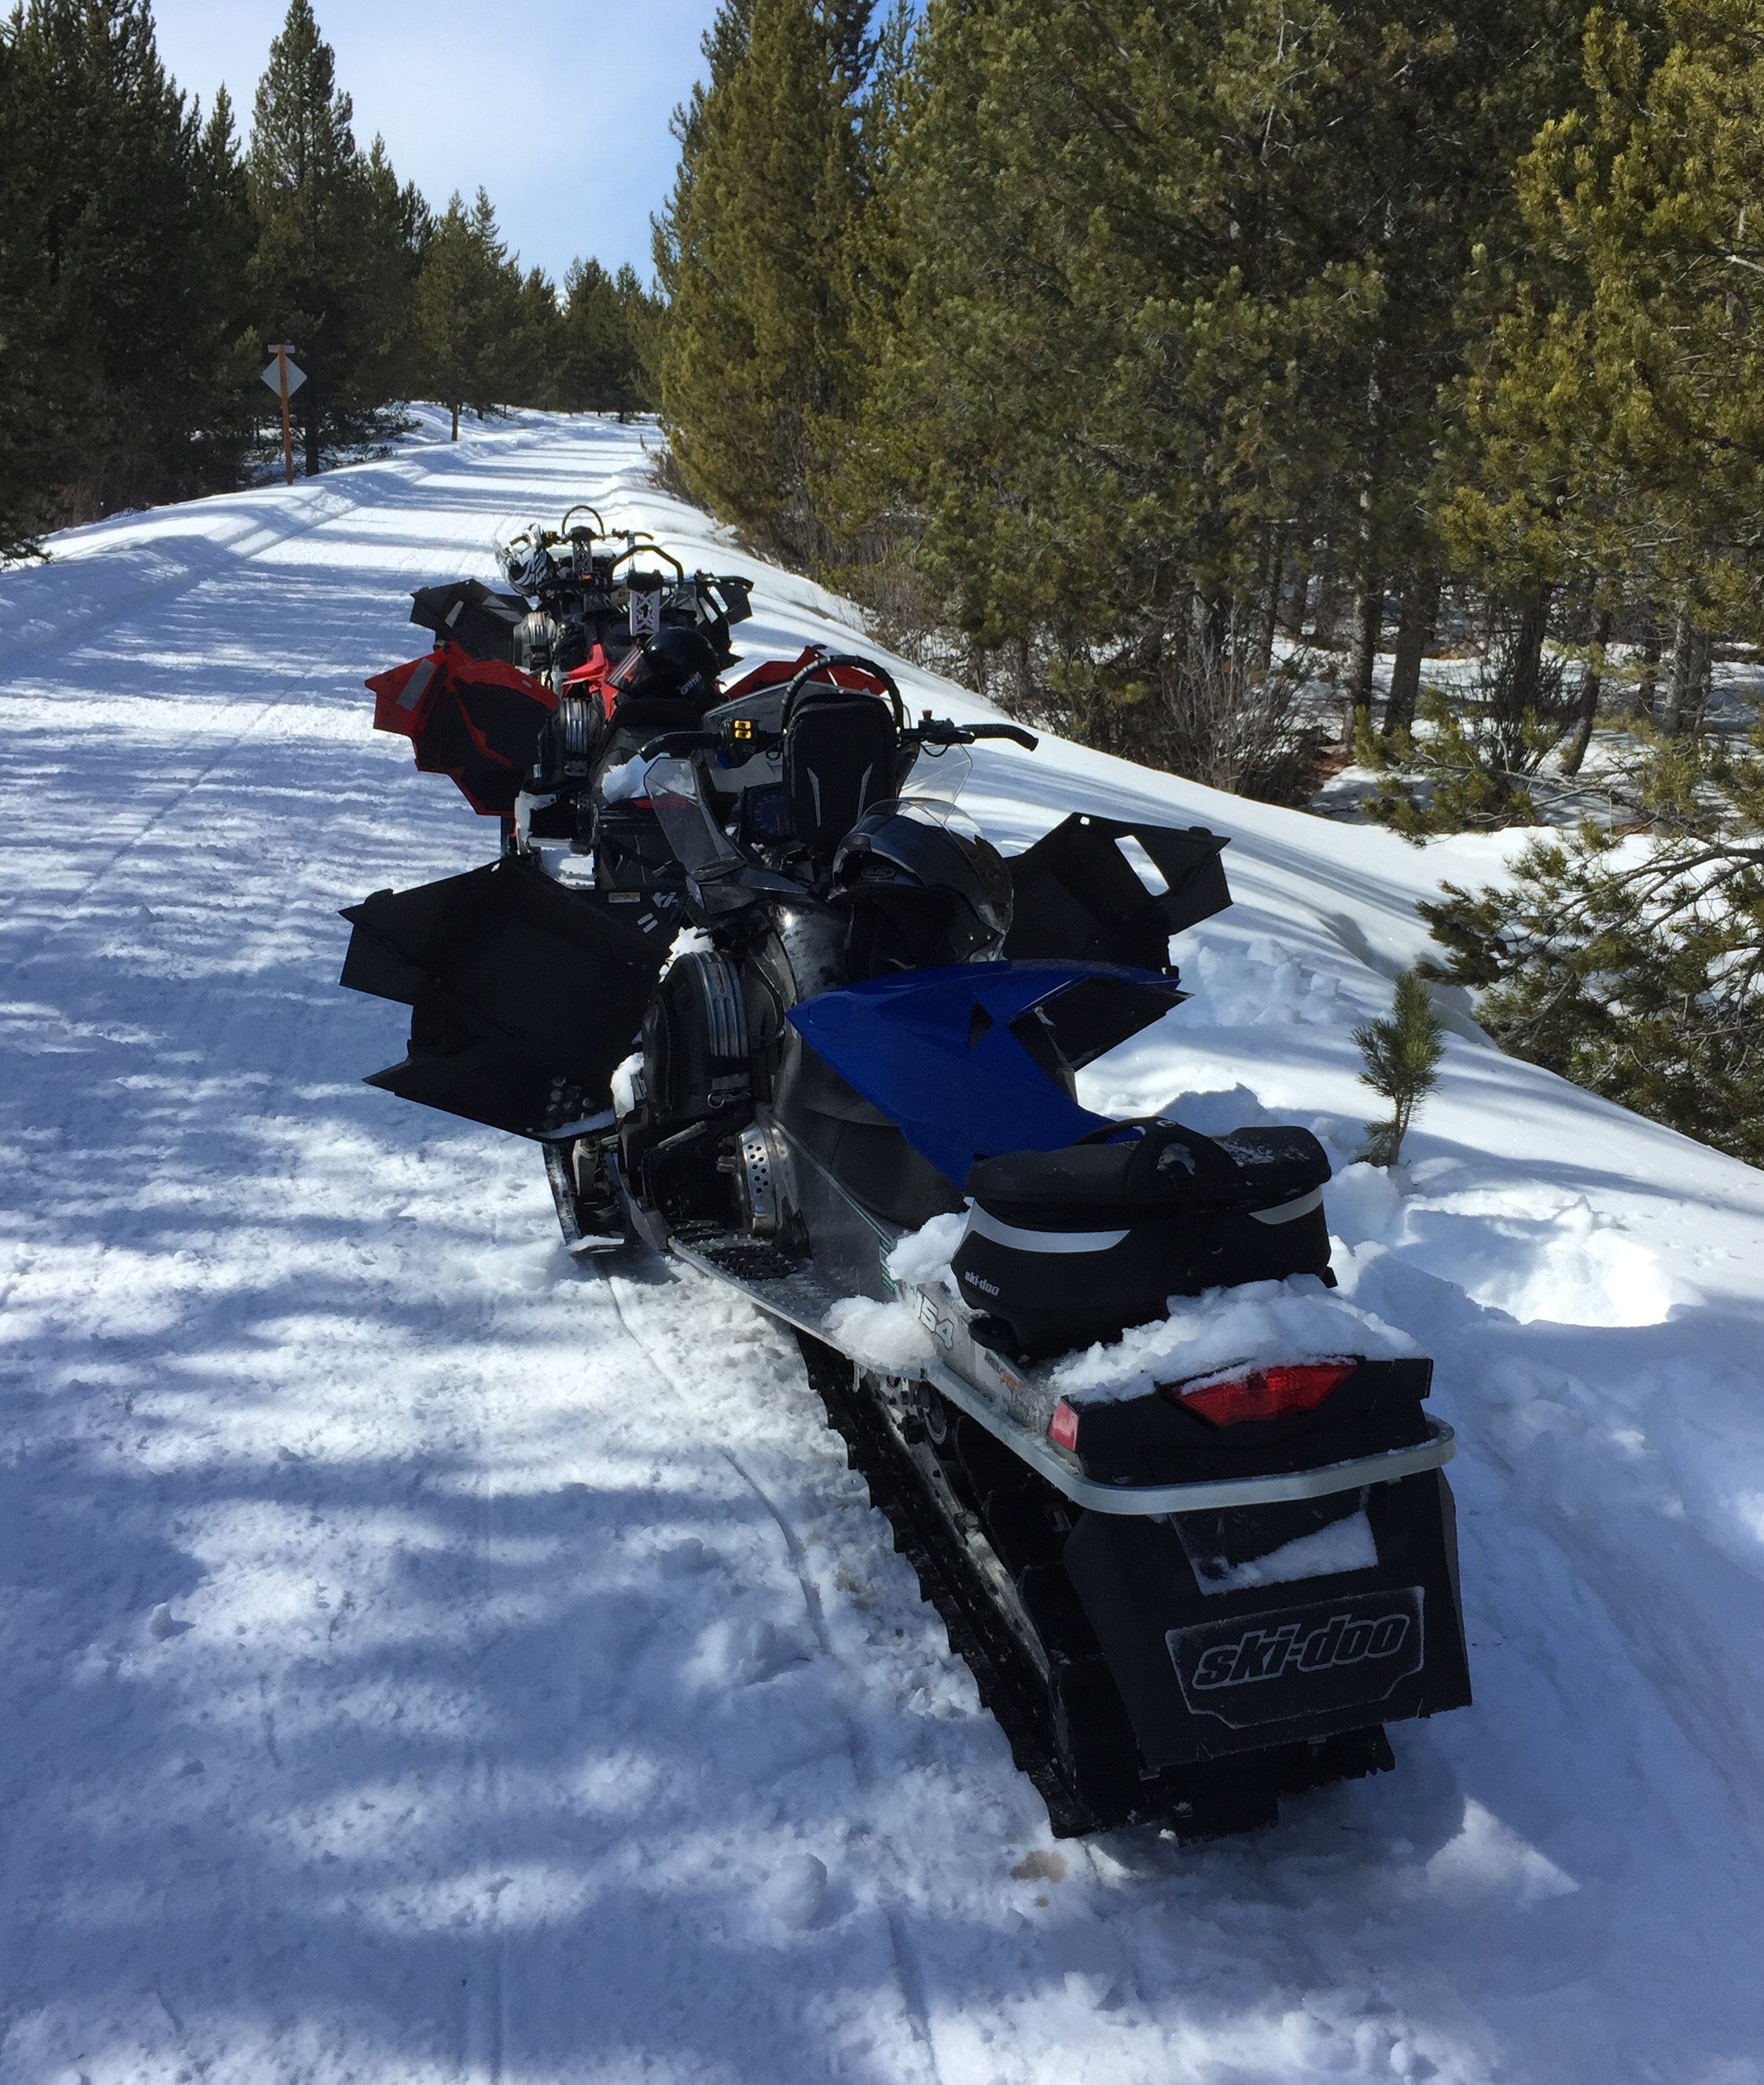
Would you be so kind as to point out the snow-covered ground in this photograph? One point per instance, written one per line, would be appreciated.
(425, 1658)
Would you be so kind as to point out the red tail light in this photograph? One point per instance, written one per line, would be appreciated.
(1269, 1393)
(1063, 1427)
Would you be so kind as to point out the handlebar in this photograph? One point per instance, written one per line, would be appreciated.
(582, 507)
(740, 740)
(655, 550)
(943, 731)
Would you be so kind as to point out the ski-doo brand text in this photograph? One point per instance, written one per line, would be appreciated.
(1252, 1670)
(1266, 1654)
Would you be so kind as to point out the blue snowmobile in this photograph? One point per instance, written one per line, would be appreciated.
(876, 1020)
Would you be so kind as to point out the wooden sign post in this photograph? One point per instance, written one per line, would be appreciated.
(285, 376)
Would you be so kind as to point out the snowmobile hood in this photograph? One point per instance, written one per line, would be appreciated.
(965, 1060)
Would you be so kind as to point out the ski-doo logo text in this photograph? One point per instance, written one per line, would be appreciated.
(1271, 1653)
(1352, 1651)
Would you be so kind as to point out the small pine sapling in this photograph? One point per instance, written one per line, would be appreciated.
(1402, 1064)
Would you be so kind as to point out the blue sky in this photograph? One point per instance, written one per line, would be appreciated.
(560, 111)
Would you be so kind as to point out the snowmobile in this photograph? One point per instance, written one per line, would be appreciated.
(853, 1080)
(531, 697)
(573, 588)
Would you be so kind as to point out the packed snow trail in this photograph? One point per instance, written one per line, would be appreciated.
(425, 1658)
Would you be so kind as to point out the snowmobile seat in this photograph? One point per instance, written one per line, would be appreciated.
(841, 748)
(1069, 1246)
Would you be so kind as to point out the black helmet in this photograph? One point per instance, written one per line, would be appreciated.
(675, 665)
(925, 888)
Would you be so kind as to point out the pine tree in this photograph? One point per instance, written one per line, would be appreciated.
(1401, 1055)
(126, 313)
(1616, 416)
(28, 405)
(394, 232)
(469, 313)
(538, 349)
(227, 234)
(1105, 386)
(335, 238)
(724, 46)
(756, 357)
(1636, 968)
(1160, 302)
(601, 341)
(643, 319)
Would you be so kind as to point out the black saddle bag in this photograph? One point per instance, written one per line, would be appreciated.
(1064, 1248)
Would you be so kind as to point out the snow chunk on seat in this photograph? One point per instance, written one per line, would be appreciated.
(1255, 1326)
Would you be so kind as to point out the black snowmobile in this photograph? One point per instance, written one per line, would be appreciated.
(878, 1022)
(575, 588)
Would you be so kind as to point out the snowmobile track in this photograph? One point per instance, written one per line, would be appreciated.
(1011, 1692)
(1068, 1729)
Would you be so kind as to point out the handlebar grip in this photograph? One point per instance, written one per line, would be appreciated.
(677, 742)
(943, 731)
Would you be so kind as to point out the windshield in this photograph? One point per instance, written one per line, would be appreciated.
(700, 844)
(675, 788)
(938, 773)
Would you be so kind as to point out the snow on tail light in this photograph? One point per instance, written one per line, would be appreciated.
(1262, 1393)
(1063, 1427)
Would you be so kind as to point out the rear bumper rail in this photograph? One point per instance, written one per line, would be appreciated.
(1214, 1495)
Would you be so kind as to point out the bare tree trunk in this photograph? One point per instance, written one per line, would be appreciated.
(1516, 684)
(456, 412)
(1528, 649)
(1586, 706)
(1268, 616)
(1368, 626)
(1415, 633)
(314, 461)
(1211, 628)
(1643, 704)
(1679, 680)
(1291, 614)
(1327, 606)
(1701, 680)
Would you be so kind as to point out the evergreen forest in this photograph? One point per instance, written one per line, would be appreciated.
(151, 254)
(1276, 389)
(1351, 403)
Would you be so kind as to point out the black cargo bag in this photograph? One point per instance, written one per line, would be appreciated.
(1063, 1248)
